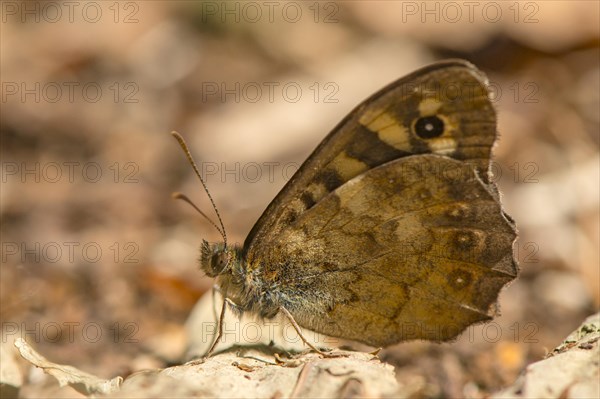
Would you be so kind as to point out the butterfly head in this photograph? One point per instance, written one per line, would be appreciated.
(216, 259)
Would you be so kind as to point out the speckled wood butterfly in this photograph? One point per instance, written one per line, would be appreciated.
(392, 229)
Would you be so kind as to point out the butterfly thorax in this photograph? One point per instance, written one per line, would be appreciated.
(235, 282)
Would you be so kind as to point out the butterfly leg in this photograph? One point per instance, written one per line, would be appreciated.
(219, 333)
(215, 289)
(226, 301)
(299, 331)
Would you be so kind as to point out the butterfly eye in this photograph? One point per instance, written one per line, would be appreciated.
(429, 127)
(219, 262)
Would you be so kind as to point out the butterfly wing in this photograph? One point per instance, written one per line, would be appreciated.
(415, 248)
(373, 242)
(441, 109)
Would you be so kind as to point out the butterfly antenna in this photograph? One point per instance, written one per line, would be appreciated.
(188, 154)
(183, 197)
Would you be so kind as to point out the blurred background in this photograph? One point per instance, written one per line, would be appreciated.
(99, 264)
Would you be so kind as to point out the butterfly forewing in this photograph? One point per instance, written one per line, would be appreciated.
(442, 109)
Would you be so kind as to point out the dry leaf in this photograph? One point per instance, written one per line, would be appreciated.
(81, 381)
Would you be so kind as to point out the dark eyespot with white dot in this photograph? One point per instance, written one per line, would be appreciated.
(465, 239)
(459, 279)
(429, 127)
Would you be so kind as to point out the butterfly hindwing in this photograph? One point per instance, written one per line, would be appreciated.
(426, 262)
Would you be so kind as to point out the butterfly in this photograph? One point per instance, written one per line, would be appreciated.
(391, 230)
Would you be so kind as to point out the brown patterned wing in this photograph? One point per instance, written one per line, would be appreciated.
(416, 248)
(442, 109)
